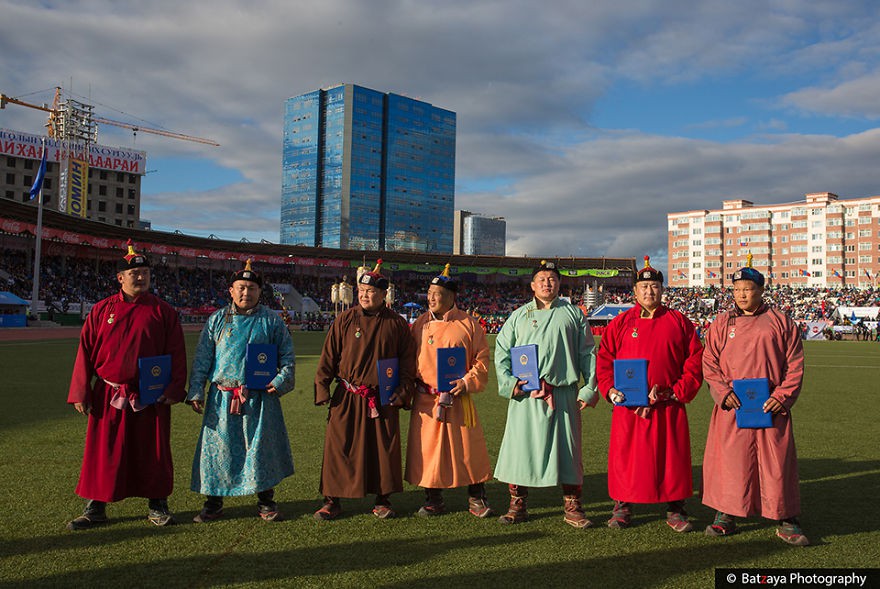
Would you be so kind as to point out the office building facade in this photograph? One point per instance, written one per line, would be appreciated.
(479, 235)
(819, 242)
(363, 169)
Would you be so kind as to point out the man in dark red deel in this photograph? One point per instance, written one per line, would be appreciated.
(128, 446)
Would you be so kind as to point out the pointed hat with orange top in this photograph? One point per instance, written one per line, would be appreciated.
(131, 259)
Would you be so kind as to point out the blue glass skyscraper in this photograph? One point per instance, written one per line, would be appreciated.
(367, 170)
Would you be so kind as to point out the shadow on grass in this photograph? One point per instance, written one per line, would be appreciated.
(837, 498)
(650, 568)
(341, 565)
(276, 565)
(116, 532)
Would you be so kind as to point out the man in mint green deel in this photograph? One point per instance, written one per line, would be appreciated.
(542, 439)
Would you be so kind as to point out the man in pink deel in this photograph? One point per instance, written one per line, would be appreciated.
(753, 471)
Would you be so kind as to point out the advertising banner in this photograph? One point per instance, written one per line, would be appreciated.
(115, 159)
(77, 187)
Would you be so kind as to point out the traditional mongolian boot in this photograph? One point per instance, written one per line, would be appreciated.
(724, 525)
(382, 509)
(94, 514)
(517, 512)
(621, 515)
(433, 503)
(211, 510)
(574, 511)
(790, 531)
(268, 508)
(478, 505)
(676, 517)
(330, 510)
(159, 514)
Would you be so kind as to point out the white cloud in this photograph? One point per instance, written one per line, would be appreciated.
(853, 98)
(523, 78)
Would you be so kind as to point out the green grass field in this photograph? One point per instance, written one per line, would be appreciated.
(41, 443)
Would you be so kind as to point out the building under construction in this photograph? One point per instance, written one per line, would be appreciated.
(83, 178)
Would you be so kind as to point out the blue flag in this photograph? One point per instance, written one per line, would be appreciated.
(38, 183)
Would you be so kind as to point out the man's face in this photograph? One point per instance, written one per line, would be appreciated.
(545, 285)
(747, 295)
(245, 294)
(135, 281)
(440, 299)
(370, 298)
(648, 293)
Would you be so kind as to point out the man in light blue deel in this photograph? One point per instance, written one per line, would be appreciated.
(243, 447)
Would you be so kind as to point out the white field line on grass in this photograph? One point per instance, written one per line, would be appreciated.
(875, 366)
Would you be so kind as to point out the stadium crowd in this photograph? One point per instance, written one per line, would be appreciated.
(67, 280)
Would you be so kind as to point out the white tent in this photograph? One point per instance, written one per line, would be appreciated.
(861, 313)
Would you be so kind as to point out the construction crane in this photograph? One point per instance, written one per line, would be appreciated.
(56, 112)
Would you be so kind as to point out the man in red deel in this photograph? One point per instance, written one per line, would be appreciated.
(649, 453)
(128, 446)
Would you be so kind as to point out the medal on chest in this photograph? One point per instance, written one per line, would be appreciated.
(534, 323)
(635, 332)
(431, 339)
(112, 318)
(732, 333)
(357, 332)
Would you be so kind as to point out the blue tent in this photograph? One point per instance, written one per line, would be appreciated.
(13, 310)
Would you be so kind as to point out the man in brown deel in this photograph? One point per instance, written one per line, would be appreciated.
(362, 442)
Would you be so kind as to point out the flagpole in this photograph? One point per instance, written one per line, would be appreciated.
(39, 236)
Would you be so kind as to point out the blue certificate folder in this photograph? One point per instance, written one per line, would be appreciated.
(752, 392)
(524, 366)
(451, 365)
(260, 365)
(389, 378)
(154, 375)
(631, 379)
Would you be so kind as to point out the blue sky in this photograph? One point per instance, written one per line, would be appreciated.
(582, 123)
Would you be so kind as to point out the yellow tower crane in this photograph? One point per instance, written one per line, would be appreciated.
(55, 112)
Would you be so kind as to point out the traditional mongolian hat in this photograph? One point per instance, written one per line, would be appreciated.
(649, 273)
(132, 259)
(548, 267)
(374, 278)
(749, 273)
(443, 279)
(247, 273)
